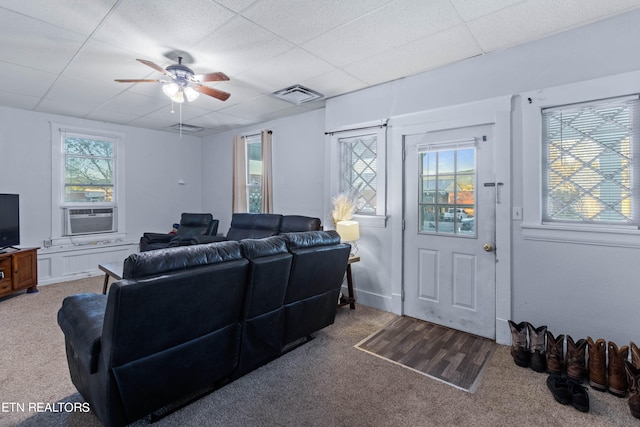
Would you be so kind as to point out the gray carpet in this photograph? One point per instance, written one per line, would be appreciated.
(326, 382)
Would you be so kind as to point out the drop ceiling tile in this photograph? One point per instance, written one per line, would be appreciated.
(78, 16)
(133, 103)
(15, 100)
(421, 55)
(218, 120)
(240, 45)
(111, 116)
(24, 80)
(306, 19)
(472, 9)
(285, 70)
(236, 5)
(532, 20)
(35, 44)
(391, 26)
(333, 83)
(256, 108)
(161, 26)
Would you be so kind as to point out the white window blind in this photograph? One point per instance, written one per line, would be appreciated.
(590, 166)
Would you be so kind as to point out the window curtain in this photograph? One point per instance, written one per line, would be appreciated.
(267, 173)
(239, 193)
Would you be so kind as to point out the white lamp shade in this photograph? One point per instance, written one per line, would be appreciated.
(173, 91)
(349, 231)
(191, 94)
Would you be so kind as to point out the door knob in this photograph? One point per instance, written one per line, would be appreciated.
(488, 247)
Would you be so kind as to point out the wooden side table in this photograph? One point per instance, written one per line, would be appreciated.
(351, 299)
(111, 269)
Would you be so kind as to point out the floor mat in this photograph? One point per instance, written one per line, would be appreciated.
(454, 357)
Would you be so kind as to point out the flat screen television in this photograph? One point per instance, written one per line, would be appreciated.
(9, 220)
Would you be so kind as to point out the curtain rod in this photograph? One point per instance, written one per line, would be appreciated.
(381, 125)
(245, 135)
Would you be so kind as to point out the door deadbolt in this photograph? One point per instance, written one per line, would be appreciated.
(488, 247)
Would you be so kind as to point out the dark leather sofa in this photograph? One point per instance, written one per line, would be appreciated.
(257, 226)
(191, 224)
(183, 320)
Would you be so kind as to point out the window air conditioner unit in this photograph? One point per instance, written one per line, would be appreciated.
(89, 221)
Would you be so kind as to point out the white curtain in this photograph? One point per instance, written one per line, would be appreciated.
(239, 193)
(267, 173)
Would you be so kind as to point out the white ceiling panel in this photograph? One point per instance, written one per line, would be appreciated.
(62, 56)
(78, 16)
(421, 55)
(239, 45)
(306, 19)
(32, 43)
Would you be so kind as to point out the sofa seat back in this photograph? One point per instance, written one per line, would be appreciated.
(318, 268)
(296, 223)
(253, 226)
(263, 327)
(161, 339)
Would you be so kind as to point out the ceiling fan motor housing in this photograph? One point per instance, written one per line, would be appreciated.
(182, 73)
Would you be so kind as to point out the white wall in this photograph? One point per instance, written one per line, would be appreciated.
(298, 167)
(575, 289)
(155, 161)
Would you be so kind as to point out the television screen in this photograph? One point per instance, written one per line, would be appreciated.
(9, 220)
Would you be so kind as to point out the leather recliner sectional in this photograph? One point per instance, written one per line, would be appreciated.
(184, 319)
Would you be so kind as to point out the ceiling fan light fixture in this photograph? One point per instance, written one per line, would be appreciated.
(191, 94)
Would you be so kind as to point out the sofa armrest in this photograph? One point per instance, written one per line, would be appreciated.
(80, 318)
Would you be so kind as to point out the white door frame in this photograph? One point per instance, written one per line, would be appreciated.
(496, 111)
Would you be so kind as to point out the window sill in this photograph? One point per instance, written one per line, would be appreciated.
(597, 236)
(377, 221)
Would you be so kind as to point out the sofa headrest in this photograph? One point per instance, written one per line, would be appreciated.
(308, 239)
(291, 223)
(195, 219)
(256, 221)
(255, 248)
(164, 260)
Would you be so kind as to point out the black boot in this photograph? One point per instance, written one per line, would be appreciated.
(519, 346)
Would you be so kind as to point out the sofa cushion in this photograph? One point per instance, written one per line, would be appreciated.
(162, 261)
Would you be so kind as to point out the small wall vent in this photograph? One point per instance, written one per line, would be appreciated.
(298, 94)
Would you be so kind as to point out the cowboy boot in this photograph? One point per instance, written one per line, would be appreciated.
(597, 364)
(633, 378)
(618, 384)
(537, 347)
(635, 355)
(575, 358)
(519, 347)
(555, 353)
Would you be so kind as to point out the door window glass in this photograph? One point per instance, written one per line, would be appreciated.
(447, 200)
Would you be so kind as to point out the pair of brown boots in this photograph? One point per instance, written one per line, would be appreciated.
(574, 362)
(608, 362)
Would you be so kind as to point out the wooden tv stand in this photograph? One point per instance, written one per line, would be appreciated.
(18, 271)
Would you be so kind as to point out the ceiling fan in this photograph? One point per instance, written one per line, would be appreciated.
(183, 83)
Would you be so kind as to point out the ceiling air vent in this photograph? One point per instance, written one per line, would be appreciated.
(186, 128)
(297, 94)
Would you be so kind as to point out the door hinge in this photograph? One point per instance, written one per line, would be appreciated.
(404, 155)
(403, 224)
(402, 295)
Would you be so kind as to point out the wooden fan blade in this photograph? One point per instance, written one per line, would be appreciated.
(211, 77)
(136, 81)
(154, 66)
(222, 96)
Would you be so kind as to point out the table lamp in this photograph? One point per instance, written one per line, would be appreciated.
(349, 231)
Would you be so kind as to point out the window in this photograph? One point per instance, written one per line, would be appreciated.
(589, 172)
(88, 191)
(362, 170)
(254, 173)
(89, 164)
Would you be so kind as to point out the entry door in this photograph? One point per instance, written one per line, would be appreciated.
(449, 257)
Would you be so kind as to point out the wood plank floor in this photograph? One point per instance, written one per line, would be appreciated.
(451, 356)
